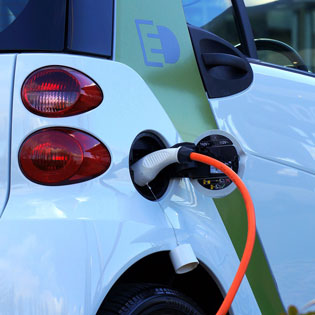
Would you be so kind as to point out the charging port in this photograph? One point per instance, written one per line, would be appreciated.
(222, 149)
(145, 143)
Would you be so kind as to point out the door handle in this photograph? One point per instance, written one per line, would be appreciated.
(220, 59)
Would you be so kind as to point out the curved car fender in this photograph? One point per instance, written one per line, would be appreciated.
(64, 246)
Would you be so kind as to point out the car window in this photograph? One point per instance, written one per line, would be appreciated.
(284, 31)
(90, 26)
(9, 11)
(211, 15)
(32, 25)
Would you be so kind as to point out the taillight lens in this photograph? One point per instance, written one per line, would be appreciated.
(59, 92)
(60, 156)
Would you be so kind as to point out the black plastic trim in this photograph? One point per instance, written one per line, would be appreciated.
(66, 25)
(215, 59)
(246, 33)
(222, 79)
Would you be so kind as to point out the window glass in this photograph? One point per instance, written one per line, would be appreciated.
(90, 26)
(32, 24)
(284, 31)
(9, 10)
(216, 16)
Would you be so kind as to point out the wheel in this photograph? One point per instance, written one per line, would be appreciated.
(146, 299)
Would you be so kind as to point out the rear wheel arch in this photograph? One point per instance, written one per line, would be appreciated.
(199, 285)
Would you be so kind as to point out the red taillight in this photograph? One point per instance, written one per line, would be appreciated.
(60, 156)
(59, 92)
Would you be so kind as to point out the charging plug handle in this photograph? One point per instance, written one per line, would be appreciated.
(147, 168)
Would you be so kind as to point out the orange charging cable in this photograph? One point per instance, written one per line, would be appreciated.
(226, 304)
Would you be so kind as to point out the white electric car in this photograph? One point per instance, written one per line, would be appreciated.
(90, 87)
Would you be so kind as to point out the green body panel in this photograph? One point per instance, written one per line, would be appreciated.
(233, 214)
(179, 88)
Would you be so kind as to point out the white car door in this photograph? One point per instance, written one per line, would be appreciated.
(272, 115)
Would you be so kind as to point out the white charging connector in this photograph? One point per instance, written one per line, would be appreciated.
(148, 167)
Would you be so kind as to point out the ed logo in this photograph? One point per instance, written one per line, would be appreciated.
(157, 41)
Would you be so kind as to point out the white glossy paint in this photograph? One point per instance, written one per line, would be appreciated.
(284, 200)
(7, 66)
(274, 120)
(62, 248)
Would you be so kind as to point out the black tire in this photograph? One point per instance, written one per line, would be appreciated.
(147, 299)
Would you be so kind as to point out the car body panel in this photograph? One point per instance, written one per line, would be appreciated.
(75, 241)
(180, 95)
(7, 67)
(64, 247)
(277, 133)
(285, 221)
(280, 117)
(179, 88)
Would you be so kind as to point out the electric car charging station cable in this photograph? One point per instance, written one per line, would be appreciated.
(148, 167)
(251, 233)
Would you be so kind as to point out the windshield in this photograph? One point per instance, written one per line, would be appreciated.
(32, 24)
